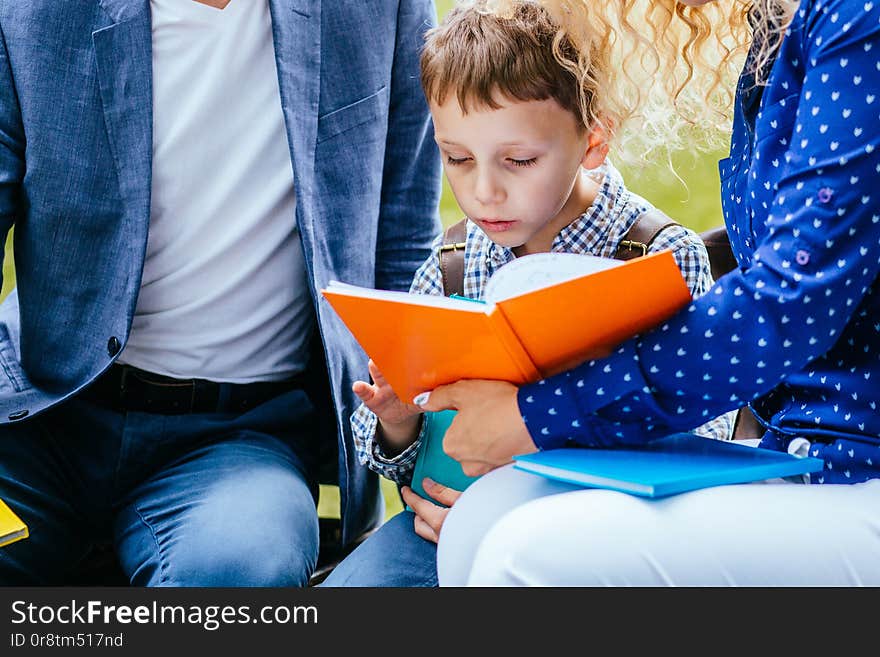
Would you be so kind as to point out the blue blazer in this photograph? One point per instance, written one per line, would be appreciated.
(75, 171)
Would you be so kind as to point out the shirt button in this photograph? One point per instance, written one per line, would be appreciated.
(802, 257)
(825, 194)
(113, 346)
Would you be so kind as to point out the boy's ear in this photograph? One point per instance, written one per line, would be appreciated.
(597, 148)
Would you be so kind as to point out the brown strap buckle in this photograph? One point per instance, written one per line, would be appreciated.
(631, 244)
(451, 254)
(641, 235)
(452, 247)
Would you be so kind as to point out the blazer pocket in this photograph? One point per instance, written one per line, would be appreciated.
(352, 115)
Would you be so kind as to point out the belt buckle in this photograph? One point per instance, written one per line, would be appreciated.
(179, 405)
(149, 394)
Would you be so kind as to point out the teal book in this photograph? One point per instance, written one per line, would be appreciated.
(674, 464)
(433, 462)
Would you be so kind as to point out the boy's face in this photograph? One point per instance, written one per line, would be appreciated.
(515, 171)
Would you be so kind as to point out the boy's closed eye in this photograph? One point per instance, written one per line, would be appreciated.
(523, 162)
(517, 162)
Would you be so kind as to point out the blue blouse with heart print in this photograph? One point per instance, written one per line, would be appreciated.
(795, 330)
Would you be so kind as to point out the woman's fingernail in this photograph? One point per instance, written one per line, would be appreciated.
(427, 482)
(422, 399)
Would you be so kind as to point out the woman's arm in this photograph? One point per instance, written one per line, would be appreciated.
(808, 276)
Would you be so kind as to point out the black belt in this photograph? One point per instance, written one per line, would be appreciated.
(127, 388)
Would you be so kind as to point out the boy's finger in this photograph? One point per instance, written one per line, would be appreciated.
(443, 494)
(424, 530)
(429, 513)
(419, 505)
(410, 498)
(376, 373)
(363, 390)
(435, 518)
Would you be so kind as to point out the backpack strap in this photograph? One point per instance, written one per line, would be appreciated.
(641, 235)
(452, 258)
(721, 256)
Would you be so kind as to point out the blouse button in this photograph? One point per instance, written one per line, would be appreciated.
(802, 257)
(825, 194)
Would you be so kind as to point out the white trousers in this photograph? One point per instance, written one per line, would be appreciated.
(512, 528)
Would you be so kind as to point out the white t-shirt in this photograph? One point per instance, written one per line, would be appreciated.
(225, 294)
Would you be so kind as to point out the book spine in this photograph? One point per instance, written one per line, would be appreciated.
(512, 345)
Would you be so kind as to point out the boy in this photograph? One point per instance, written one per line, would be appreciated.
(524, 154)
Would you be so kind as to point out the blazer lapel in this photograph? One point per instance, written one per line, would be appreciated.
(296, 32)
(123, 53)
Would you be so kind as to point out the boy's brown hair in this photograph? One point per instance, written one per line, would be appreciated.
(478, 56)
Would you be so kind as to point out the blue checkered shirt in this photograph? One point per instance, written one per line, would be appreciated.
(596, 232)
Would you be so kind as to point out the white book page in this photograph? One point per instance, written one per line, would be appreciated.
(405, 297)
(540, 270)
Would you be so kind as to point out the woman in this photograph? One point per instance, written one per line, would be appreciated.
(793, 332)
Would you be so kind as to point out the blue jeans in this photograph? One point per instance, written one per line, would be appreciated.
(394, 555)
(212, 499)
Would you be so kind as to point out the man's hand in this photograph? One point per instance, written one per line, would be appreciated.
(398, 422)
(429, 516)
(488, 429)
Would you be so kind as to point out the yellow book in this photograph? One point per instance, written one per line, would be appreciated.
(11, 527)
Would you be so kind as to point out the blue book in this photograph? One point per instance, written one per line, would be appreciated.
(674, 464)
(433, 462)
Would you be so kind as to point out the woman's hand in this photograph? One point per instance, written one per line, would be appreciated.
(398, 422)
(488, 429)
(429, 516)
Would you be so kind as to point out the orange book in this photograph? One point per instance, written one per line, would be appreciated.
(543, 313)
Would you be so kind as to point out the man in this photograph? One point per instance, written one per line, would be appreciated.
(183, 177)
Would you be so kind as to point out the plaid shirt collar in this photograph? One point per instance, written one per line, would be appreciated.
(587, 233)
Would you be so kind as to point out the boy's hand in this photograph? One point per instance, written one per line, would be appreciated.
(398, 422)
(429, 516)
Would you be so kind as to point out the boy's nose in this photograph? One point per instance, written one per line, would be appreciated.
(487, 189)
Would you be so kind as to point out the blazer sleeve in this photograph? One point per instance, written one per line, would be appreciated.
(408, 219)
(11, 147)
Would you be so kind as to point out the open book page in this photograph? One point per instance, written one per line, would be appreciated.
(574, 319)
(539, 270)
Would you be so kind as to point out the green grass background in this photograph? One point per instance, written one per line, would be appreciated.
(692, 201)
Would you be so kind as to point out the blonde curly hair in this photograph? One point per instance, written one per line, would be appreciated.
(673, 68)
